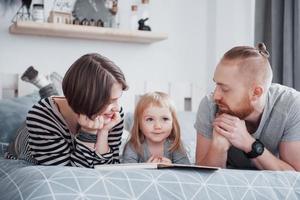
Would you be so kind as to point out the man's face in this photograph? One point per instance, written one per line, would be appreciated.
(231, 93)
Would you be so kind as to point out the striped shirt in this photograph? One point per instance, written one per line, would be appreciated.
(51, 142)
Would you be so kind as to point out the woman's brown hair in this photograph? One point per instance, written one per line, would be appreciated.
(159, 99)
(87, 83)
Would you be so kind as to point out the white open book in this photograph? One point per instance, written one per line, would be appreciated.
(152, 166)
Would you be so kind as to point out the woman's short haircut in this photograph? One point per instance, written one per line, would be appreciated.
(88, 82)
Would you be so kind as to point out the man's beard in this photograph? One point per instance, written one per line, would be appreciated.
(243, 111)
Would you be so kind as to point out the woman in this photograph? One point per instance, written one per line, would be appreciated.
(83, 128)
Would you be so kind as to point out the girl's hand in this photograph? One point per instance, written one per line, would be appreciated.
(159, 159)
(150, 160)
(165, 160)
(154, 159)
(90, 125)
(116, 118)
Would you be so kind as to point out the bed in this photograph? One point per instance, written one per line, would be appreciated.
(21, 180)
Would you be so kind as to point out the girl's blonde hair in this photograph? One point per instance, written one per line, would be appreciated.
(159, 99)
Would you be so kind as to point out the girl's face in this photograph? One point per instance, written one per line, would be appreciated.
(156, 123)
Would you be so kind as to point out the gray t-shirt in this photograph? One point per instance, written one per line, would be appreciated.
(131, 156)
(280, 122)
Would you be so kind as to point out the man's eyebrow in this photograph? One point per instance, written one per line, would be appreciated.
(221, 84)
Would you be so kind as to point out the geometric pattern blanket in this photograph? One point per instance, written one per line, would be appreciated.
(18, 180)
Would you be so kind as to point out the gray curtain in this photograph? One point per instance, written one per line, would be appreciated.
(277, 24)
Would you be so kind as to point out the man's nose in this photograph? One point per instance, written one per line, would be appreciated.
(217, 94)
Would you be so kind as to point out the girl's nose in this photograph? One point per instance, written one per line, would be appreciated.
(157, 125)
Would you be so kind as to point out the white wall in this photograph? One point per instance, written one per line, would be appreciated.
(230, 23)
(200, 31)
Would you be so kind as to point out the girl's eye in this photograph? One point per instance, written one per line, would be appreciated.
(149, 119)
(166, 119)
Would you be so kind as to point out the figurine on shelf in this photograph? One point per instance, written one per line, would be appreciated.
(142, 26)
(85, 22)
(76, 21)
(60, 17)
(100, 23)
(24, 11)
(114, 7)
(92, 22)
(61, 12)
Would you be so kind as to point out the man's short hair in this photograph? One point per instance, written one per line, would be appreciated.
(253, 63)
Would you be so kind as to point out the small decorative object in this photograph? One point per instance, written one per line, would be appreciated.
(60, 17)
(76, 21)
(61, 12)
(142, 26)
(134, 18)
(23, 12)
(106, 10)
(144, 8)
(85, 22)
(92, 22)
(99, 23)
(65, 6)
(38, 12)
(114, 9)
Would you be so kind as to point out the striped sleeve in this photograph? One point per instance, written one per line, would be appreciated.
(50, 141)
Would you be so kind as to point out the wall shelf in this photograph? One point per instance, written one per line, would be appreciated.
(84, 32)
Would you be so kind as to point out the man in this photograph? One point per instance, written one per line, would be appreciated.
(248, 122)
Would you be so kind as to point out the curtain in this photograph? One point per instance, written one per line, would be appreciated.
(277, 25)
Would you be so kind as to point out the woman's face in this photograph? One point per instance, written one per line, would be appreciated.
(113, 105)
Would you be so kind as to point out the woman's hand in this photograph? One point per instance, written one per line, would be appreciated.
(100, 127)
(110, 123)
(98, 124)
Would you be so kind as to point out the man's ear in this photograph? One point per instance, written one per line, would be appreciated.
(257, 92)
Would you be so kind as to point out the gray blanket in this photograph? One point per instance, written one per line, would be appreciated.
(20, 181)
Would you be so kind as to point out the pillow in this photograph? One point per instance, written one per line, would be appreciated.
(13, 114)
(188, 132)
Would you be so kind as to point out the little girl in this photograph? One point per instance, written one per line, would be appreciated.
(155, 135)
